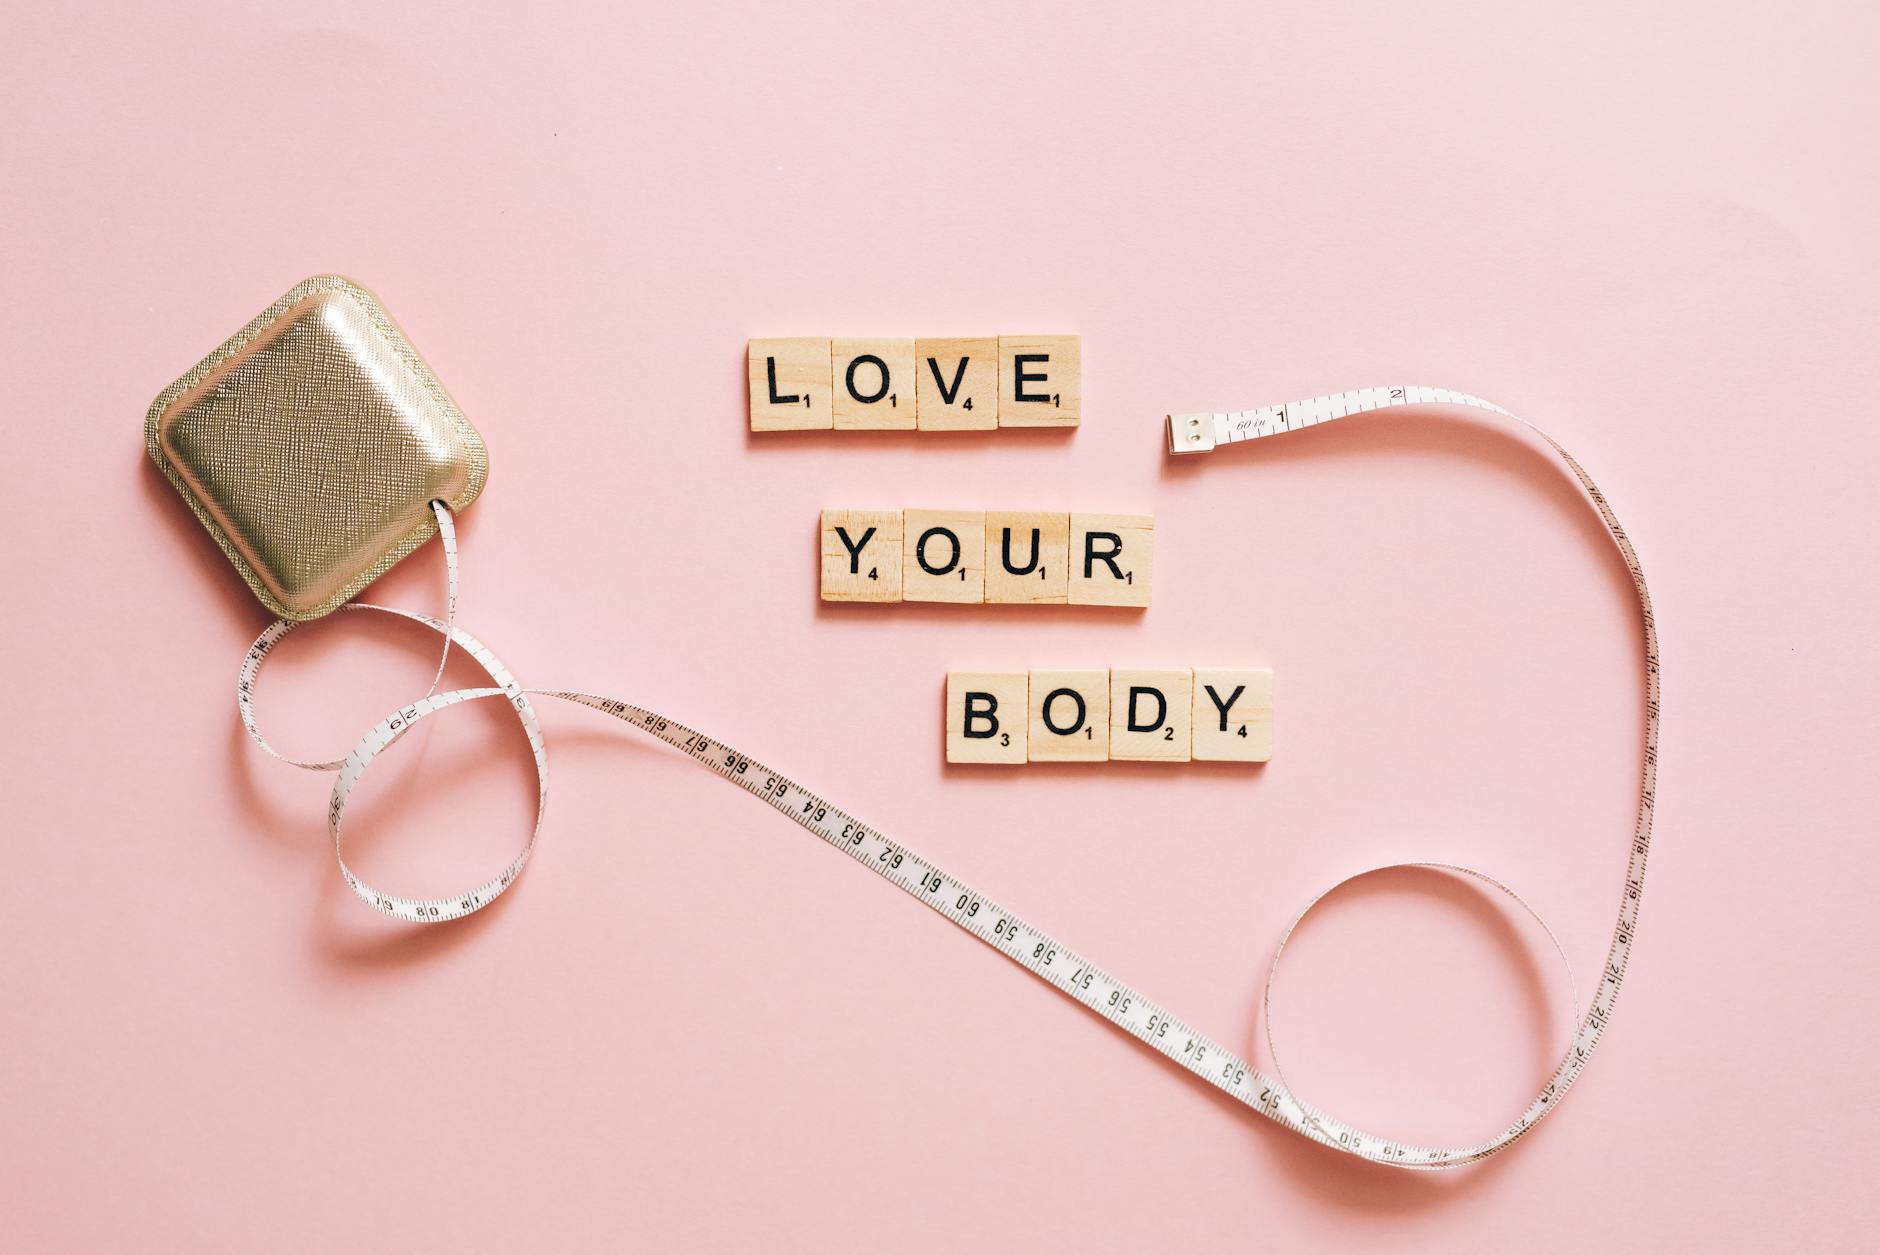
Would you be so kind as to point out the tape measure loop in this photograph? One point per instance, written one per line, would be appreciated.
(1272, 973)
(381, 737)
(388, 732)
(250, 681)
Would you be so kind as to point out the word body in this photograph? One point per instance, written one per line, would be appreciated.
(973, 557)
(808, 383)
(1199, 714)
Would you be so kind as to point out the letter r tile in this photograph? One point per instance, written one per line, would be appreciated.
(1112, 559)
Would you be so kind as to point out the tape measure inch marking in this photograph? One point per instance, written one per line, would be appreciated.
(1004, 931)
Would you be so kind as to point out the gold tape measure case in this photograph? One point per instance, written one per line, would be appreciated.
(311, 444)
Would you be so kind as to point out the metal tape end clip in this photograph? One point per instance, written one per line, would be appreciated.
(1190, 433)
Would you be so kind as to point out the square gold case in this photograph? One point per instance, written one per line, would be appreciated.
(311, 444)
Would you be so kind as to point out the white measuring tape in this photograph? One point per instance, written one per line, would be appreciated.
(1025, 944)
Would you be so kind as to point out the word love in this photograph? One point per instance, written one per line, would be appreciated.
(1214, 715)
(812, 384)
(981, 556)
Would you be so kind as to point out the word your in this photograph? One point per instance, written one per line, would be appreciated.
(1212, 715)
(980, 556)
(811, 384)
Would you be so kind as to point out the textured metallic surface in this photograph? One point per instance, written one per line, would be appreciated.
(311, 444)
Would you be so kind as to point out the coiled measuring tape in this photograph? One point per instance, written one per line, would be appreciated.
(952, 898)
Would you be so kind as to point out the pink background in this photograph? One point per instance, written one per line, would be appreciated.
(692, 1026)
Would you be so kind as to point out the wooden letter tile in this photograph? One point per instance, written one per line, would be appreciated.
(861, 555)
(1151, 716)
(958, 384)
(986, 716)
(1070, 716)
(790, 385)
(943, 556)
(1041, 381)
(874, 384)
(1233, 715)
(1027, 557)
(1112, 559)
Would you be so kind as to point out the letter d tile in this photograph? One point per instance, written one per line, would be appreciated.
(1151, 716)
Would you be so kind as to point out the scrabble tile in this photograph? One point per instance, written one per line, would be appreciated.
(943, 555)
(790, 381)
(874, 384)
(1233, 718)
(1069, 717)
(861, 555)
(1041, 381)
(1151, 715)
(958, 384)
(986, 716)
(1027, 557)
(1112, 559)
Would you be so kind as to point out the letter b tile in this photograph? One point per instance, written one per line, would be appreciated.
(986, 716)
